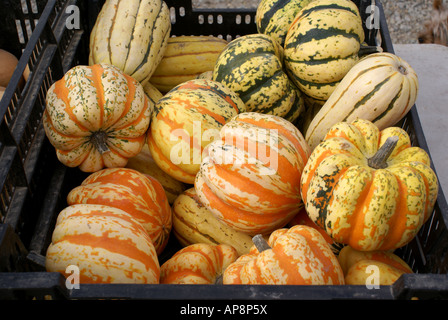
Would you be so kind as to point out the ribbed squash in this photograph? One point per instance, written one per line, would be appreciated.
(273, 17)
(107, 245)
(252, 66)
(152, 92)
(357, 266)
(185, 120)
(322, 45)
(144, 163)
(131, 35)
(295, 256)
(142, 196)
(365, 194)
(96, 117)
(185, 58)
(381, 88)
(199, 263)
(250, 178)
(194, 223)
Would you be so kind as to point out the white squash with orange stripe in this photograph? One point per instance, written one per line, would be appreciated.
(96, 117)
(140, 195)
(185, 120)
(105, 243)
(251, 177)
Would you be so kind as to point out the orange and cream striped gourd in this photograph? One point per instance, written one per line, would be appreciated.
(96, 117)
(140, 195)
(295, 256)
(185, 120)
(365, 190)
(199, 263)
(131, 35)
(105, 243)
(250, 178)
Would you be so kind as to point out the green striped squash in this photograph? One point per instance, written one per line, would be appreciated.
(273, 17)
(380, 88)
(252, 67)
(131, 35)
(322, 45)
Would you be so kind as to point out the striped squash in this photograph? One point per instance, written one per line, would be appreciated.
(131, 35)
(96, 117)
(381, 88)
(250, 178)
(357, 266)
(295, 256)
(199, 263)
(185, 120)
(252, 66)
(359, 198)
(322, 45)
(185, 58)
(105, 243)
(142, 196)
(194, 223)
(274, 17)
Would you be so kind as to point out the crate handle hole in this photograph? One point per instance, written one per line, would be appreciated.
(238, 19)
(173, 15)
(182, 11)
(210, 19)
(201, 19)
(248, 18)
(219, 19)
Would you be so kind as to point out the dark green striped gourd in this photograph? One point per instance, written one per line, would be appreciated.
(273, 17)
(252, 67)
(322, 45)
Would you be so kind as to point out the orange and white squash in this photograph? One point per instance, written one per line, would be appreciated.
(366, 203)
(142, 196)
(96, 117)
(250, 178)
(107, 245)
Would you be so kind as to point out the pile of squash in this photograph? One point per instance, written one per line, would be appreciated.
(272, 158)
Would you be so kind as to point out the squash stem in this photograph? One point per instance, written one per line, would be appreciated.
(260, 243)
(379, 160)
(99, 139)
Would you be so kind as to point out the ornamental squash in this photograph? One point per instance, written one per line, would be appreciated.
(199, 263)
(322, 45)
(194, 223)
(250, 178)
(252, 66)
(368, 188)
(185, 58)
(185, 120)
(295, 256)
(381, 88)
(360, 266)
(140, 195)
(274, 17)
(105, 243)
(96, 117)
(131, 35)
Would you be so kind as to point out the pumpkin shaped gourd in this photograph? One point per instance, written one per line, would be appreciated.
(199, 263)
(185, 120)
(131, 35)
(252, 66)
(96, 117)
(105, 243)
(295, 256)
(250, 178)
(366, 203)
(140, 195)
(357, 266)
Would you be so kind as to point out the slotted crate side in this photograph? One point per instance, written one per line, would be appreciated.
(62, 179)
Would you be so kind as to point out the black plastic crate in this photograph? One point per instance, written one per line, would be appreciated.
(35, 185)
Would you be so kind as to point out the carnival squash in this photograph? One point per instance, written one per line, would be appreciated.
(107, 245)
(250, 177)
(369, 188)
(96, 117)
(140, 195)
(295, 256)
(199, 263)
